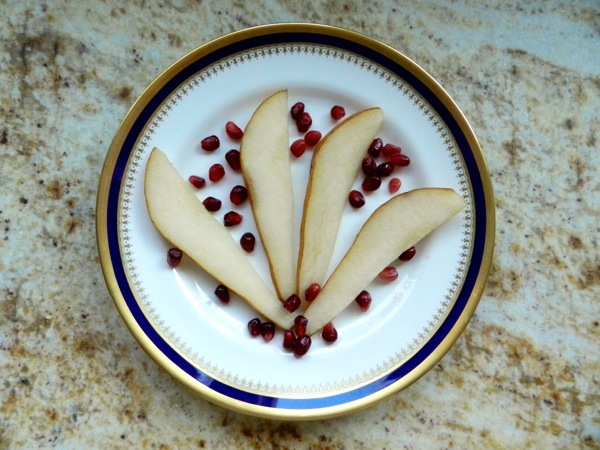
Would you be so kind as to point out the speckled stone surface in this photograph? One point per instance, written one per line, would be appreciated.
(526, 372)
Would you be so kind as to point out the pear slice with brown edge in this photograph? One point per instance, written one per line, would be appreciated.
(183, 220)
(396, 225)
(266, 168)
(336, 163)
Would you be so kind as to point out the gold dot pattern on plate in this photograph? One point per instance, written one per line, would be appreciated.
(134, 173)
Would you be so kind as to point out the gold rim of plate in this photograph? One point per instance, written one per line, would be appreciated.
(175, 371)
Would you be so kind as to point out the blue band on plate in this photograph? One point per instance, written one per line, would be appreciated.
(479, 212)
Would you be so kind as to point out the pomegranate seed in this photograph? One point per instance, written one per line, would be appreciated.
(292, 303)
(375, 147)
(301, 346)
(212, 204)
(385, 169)
(238, 195)
(216, 172)
(222, 293)
(337, 112)
(267, 330)
(400, 160)
(390, 150)
(300, 323)
(371, 184)
(369, 166)
(409, 254)
(247, 242)
(356, 199)
(254, 327)
(329, 333)
(363, 300)
(303, 122)
(233, 131)
(296, 110)
(197, 182)
(312, 138)
(394, 185)
(210, 143)
(312, 291)
(298, 147)
(232, 219)
(289, 340)
(174, 256)
(233, 159)
(389, 274)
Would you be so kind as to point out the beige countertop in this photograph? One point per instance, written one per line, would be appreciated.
(526, 372)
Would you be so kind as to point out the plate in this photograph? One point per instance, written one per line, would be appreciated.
(174, 314)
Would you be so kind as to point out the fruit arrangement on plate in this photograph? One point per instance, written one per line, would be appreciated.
(304, 301)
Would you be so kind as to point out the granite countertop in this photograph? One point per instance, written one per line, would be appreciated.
(526, 372)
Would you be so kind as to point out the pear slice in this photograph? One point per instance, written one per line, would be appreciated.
(184, 221)
(266, 168)
(335, 165)
(392, 228)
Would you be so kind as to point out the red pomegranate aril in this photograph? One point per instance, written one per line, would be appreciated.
(375, 148)
(232, 219)
(289, 340)
(337, 112)
(292, 303)
(212, 204)
(312, 292)
(210, 143)
(329, 333)
(267, 330)
(389, 274)
(408, 254)
(233, 159)
(371, 184)
(390, 150)
(197, 182)
(216, 172)
(304, 122)
(385, 169)
(222, 293)
(254, 327)
(300, 324)
(301, 346)
(312, 138)
(238, 195)
(298, 147)
(369, 166)
(400, 160)
(394, 185)
(363, 300)
(233, 131)
(297, 109)
(356, 199)
(174, 256)
(247, 241)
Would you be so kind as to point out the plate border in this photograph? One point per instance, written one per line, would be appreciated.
(175, 364)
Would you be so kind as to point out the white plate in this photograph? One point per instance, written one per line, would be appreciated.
(173, 312)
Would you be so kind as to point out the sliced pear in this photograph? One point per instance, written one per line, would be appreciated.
(184, 221)
(395, 226)
(265, 160)
(335, 165)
